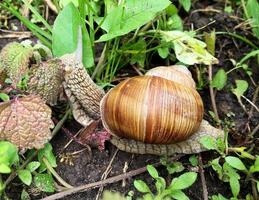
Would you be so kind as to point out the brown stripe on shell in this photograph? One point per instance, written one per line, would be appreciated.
(152, 110)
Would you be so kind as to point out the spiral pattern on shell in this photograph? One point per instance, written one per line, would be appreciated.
(152, 109)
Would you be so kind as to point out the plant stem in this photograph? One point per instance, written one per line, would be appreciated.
(55, 174)
(212, 97)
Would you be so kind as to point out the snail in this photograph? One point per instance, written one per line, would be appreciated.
(159, 113)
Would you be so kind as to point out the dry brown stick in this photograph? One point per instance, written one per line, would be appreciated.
(254, 101)
(113, 179)
(212, 97)
(106, 173)
(203, 180)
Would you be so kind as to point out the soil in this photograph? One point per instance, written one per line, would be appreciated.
(88, 167)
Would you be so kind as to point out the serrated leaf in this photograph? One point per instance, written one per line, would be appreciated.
(234, 185)
(183, 181)
(178, 195)
(25, 176)
(44, 182)
(188, 50)
(235, 162)
(32, 166)
(4, 168)
(152, 171)
(26, 122)
(242, 86)
(14, 59)
(219, 80)
(141, 186)
(129, 16)
(65, 31)
(46, 80)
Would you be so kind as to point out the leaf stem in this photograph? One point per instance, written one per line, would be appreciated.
(212, 96)
(55, 174)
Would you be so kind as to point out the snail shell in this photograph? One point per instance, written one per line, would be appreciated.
(152, 109)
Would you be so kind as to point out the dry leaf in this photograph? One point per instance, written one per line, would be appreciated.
(26, 122)
(14, 59)
(46, 81)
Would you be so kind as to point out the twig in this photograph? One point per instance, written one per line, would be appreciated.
(106, 173)
(212, 97)
(203, 180)
(254, 101)
(256, 129)
(113, 179)
(51, 6)
(254, 190)
(252, 104)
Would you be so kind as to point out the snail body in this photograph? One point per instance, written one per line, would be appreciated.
(161, 107)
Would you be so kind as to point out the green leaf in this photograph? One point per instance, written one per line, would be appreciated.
(219, 80)
(210, 40)
(163, 52)
(174, 167)
(208, 142)
(160, 184)
(188, 50)
(218, 197)
(230, 172)
(130, 15)
(32, 166)
(255, 168)
(141, 186)
(8, 153)
(14, 59)
(236, 163)
(25, 176)
(174, 22)
(257, 186)
(4, 169)
(48, 154)
(186, 4)
(65, 31)
(193, 160)
(252, 7)
(138, 50)
(152, 171)
(234, 185)
(217, 167)
(178, 195)
(4, 97)
(242, 86)
(44, 182)
(183, 181)
(25, 195)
